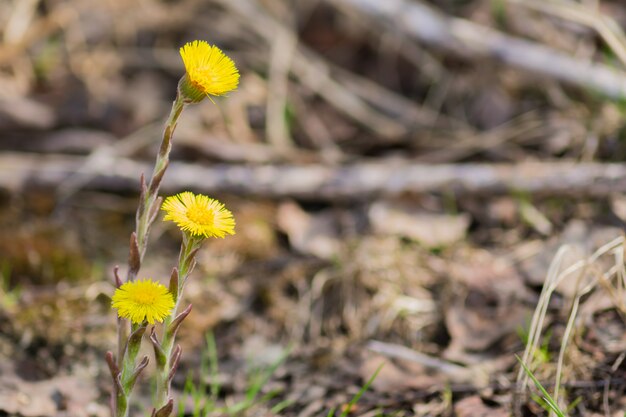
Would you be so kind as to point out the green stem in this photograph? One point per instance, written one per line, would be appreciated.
(186, 262)
(127, 369)
(145, 209)
(146, 212)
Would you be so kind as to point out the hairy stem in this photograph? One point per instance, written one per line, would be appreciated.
(129, 370)
(186, 263)
(146, 209)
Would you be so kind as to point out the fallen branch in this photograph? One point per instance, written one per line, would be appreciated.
(402, 352)
(361, 180)
(470, 40)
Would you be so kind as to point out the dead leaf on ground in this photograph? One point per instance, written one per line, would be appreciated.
(396, 376)
(314, 234)
(62, 395)
(432, 230)
(22, 111)
(487, 302)
(475, 407)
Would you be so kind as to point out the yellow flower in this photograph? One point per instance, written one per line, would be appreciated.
(143, 300)
(209, 71)
(199, 215)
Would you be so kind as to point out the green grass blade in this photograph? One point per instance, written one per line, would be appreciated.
(359, 394)
(281, 406)
(213, 366)
(552, 405)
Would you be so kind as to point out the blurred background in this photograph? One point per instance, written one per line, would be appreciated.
(402, 173)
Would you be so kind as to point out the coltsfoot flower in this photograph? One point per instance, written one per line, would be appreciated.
(209, 72)
(143, 300)
(199, 215)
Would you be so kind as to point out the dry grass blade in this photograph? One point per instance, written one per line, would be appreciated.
(606, 27)
(282, 54)
(555, 276)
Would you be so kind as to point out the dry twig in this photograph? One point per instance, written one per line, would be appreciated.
(321, 182)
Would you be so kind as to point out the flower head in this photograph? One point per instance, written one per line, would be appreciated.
(199, 215)
(143, 300)
(209, 71)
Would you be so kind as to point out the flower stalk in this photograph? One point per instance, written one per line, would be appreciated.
(149, 203)
(167, 364)
(124, 378)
